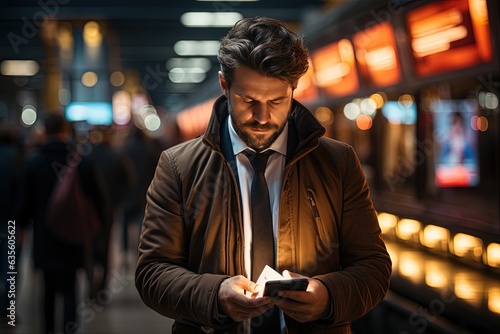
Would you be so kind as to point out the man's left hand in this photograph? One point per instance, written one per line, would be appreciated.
(304, 306)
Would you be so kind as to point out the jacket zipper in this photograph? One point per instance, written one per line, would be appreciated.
(313, 204)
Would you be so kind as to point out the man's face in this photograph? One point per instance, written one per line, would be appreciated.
(258, 105)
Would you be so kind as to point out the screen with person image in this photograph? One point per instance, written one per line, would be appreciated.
(456, 143)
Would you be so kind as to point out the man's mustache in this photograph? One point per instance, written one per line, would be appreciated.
(257, 125)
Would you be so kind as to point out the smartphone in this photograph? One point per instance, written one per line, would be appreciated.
(273, 287)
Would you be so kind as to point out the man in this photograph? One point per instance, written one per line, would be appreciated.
(196, 251)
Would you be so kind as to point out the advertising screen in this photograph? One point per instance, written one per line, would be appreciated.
(456, 156)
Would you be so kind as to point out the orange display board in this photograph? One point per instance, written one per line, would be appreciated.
(377, 56)
(335, 69)
(449, 35)
(306, 91)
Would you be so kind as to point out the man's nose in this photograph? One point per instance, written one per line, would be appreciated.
(261, 113)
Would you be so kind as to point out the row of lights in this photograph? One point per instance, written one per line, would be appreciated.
(363, 110)
(438, 273)
(194, 70)
(90, 79)
(439, 238)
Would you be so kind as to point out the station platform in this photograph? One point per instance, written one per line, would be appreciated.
(429, 295)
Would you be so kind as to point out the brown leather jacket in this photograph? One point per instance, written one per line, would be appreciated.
(192, 235)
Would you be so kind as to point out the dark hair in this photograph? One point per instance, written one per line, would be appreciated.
(55, 123)
(264, 45)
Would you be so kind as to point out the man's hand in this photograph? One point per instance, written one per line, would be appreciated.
(233, 301)
(303, 306)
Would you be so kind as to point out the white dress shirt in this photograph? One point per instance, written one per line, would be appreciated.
(274, 176)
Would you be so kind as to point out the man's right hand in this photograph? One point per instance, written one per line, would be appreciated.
(235, 303)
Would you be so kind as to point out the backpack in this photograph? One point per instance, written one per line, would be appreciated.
(71, 215)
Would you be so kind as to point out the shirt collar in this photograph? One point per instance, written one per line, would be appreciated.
(239, 146)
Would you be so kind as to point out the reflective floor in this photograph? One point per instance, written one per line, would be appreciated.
(118, 310)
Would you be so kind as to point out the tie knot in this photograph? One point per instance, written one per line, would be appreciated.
(258, 160)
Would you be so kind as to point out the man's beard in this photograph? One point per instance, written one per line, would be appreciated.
(258, 142)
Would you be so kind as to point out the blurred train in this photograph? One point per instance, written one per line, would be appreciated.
(414, 87)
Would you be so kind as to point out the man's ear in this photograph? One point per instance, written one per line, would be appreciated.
(223, 84)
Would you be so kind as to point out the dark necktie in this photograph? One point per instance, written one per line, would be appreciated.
(262, 236)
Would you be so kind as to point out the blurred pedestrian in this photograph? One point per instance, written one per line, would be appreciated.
(141, 156)
(10, 162)
(111, 166)
(58, 259)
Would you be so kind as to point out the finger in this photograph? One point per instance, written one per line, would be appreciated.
(298, 296)
(242, 312)
(245, 314)
(290, 274)
(298, 311)
(290, 304)
(246, 284)
(298, 316)
(248, 302)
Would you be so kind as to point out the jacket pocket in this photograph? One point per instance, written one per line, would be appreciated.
(326, 240)
(318, 224)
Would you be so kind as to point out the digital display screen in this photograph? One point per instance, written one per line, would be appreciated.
(456, 155)
(449, 35)
(306, 91)
(375, 49)
(96, 113)
(335, 70)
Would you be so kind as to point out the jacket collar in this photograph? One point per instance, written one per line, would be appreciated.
(303, 130)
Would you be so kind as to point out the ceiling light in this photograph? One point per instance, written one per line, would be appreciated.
(186, 75)
(197, 48)
(19, 67)
(204, 63)
(92, 34)
(206, 19)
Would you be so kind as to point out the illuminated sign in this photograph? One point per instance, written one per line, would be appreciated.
(334, 69)
(449, 35)
(306, 90)
(376, 54)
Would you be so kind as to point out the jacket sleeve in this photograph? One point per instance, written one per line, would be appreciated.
(162, 278)
(366, 267)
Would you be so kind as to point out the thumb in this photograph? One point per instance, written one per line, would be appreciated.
(289, 274)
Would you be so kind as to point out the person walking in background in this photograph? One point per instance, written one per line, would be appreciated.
(141, 156)
(218, 212)
(11, 153)
(111, 166)
(57, 258)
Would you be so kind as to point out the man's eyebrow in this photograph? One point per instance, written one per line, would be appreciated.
(280, 98)
(252, 98)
